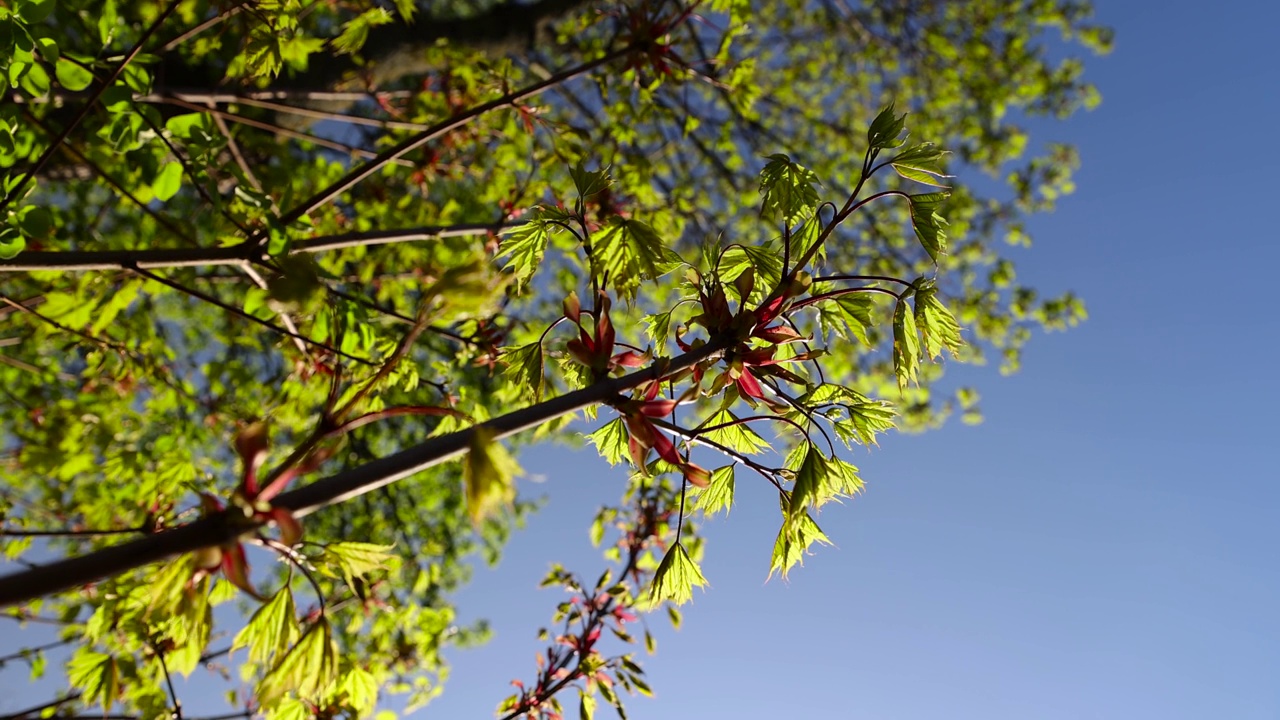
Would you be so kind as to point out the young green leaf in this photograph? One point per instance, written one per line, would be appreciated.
(906, 344)
(938, 327)
(849, 313)
(792, 544)
(885, 129)
(357, 559)
(12, 242)
(675, 579)
(611, 441)
(718, 494)
(921, 163)
(96, 675)
(524, 367)
(628, 252)
(794, 539)
(589, 182)
(309, 668)
(734, 435)
(787, 189)
(658, 328)
(526, 245)
(271, 630)
(71, 76)
(168, 182)
(586, 705)
(812, 486)
(929, 225)
(360, 688)
(489, 473)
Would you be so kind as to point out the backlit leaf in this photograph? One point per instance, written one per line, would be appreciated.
(489, 474)
(611, 441)
(787, 189)
(675, 578)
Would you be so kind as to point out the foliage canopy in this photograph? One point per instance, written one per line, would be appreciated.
(269, 266)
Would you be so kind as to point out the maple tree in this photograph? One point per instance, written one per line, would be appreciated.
(280, 277)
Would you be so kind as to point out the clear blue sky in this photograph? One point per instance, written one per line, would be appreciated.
(1105, 544)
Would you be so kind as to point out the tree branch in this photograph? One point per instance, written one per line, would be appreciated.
(223, 527)
(241, 254)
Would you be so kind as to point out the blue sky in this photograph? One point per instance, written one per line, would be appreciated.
(1104, 545)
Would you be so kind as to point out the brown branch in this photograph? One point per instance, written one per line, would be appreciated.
(242, 254)
(366, 170)
(224, 527)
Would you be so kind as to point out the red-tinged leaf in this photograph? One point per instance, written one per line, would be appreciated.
(651, 390)
(638, 452)
(780, 334)
(277, 484)
(640, 430)
(749, 385)
(666, 449)
(629, 359)
(572, 307)
(781, 372)
(236, 568)
(290, 528)
(580, 351)
(696, 475)
(766, 314)
(209, 503)
(658, 408)
(251, 446)
(759, 356)
(605, 334)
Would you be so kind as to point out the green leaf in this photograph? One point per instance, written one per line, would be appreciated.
(356, 31)
(35, 11)
(675, 579)
(48, 48)
(938, 327)
(525, 245)
(586, 705)
(96, 675)
(35, 222)
(766, 261)
(309, 668)
(627, 252)
(36, 80)
(611, 441)
(794, 540)
(71, 76)
(718, 494)
(848, 315)
(168, 182)
(812, 487)
(589, 182)
(358, 559)
(11, 242)
(921, 163)
(658, 329)
(739, 437)
(271, 630)
(361, 690)
(929, 225)
(885, 129)
(489, 474)
(906, 344)
(524, 367)
(787, 189)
